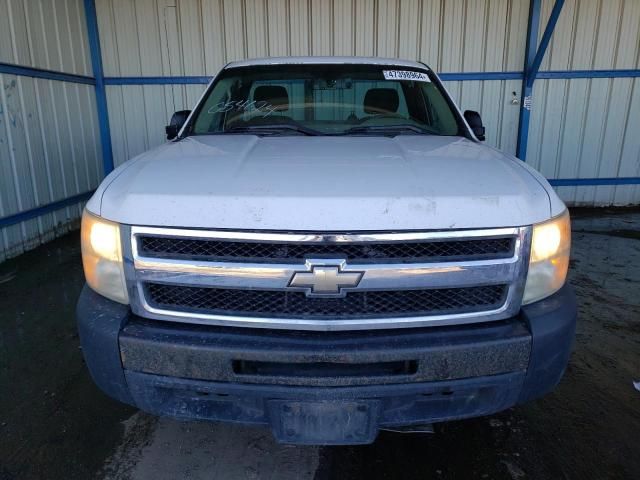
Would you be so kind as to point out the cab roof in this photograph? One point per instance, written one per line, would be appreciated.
(327, 61)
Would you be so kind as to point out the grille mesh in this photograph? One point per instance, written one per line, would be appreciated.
(404, 252)
(353, 305)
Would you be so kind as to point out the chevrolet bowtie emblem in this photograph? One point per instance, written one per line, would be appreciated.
(325, 279)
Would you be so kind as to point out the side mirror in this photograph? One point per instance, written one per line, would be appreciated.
(475, 122)
(177, 121)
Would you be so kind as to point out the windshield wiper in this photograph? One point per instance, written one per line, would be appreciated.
(392, 129)
(272, 129)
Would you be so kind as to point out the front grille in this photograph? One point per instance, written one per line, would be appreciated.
(396, 252)
(356, 304)
(408, 279)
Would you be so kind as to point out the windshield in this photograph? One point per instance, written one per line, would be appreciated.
(325, 100)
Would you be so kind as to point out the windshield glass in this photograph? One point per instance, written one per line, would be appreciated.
(325, 100)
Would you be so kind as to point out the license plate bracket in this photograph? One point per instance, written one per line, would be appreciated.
(331, 422)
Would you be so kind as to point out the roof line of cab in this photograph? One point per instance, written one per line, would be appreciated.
(326, 60)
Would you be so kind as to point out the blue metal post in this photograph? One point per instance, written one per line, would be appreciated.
(527, 90)
(533, 58)
(101, 94)
(544, 42)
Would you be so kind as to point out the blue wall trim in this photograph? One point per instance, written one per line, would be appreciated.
(38, 211)
(101, 94)
(462, 76)
(589, 74)
(23, 71)
(446, 77)
(577, 182)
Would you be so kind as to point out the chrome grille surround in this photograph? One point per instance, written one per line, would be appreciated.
(441, 274)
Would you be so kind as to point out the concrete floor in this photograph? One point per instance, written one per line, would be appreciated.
(54, 423)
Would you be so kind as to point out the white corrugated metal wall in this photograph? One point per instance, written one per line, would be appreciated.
(157, 54)
(49, 141)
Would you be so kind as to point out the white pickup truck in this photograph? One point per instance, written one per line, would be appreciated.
(325, 246)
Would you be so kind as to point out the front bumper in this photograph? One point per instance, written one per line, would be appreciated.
(308, 385)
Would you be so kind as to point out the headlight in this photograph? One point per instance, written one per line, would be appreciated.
(102, 257)
(549, 260)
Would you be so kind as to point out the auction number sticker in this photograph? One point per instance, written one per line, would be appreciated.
(405, 75)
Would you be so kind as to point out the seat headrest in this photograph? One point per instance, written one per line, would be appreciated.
(381, 100)
(275, 95)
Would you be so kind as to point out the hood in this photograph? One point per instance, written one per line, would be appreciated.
(323, 184)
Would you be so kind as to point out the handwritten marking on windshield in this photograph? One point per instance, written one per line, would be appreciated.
(244, 106)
